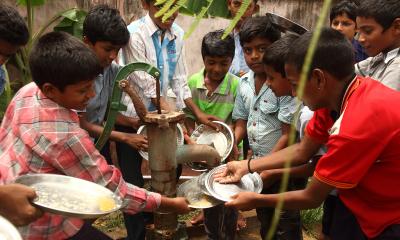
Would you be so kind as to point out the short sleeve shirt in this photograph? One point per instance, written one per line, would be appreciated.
(264, 114)
(103, 86)
(363, 155)
(384, 67)
(220, 103)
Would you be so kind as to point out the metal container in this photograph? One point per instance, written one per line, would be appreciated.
(142, 130)
(8, 231)
(286, 25)
(193, 192)
(71, 197)
(250, 182)
(222, 141)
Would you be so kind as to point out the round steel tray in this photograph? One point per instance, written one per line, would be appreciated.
(286, 25)
(250, 182)
(179, 141)
(72, 197)
(222, 141)
(195, 195)
(8, 231)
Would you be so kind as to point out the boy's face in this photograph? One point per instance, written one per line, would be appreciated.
(75, 96)
(234, 6)
(217, 67)
(105, 51)
(345, 25)
(278, 84)
(6, 51)
(254, 52)
(154, 9)
(313, 94)
(374, 38)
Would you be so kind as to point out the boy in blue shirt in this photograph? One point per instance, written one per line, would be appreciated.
(257, 111)
(13, 35)
(105, 32)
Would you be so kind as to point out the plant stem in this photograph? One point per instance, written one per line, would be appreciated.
(300, 92)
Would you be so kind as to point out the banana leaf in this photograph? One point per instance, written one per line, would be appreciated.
(33, 2)
(72, 22)
(218, 8)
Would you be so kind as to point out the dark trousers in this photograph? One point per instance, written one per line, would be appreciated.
(220, 222)
(289, 225)
(338, 222)
(89, 232)
(130, 163)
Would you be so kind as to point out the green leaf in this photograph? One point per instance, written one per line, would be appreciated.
(72, 22)
(33, 2)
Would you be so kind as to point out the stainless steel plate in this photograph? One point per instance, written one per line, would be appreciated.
(179, 141)
(250, 182)
(222, 141)
(285, 24)
(8, 231)
(72, 197)
(195, 196)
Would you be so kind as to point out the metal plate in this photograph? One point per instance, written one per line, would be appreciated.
(222, 141)
(179, 141)
(285, 24)
(195, 196)
(8, 231)
(72, 197)
(250, 182)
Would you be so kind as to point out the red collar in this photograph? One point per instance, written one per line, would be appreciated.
(355, 83)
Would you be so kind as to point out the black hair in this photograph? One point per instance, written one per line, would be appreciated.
(344, 7)
(13, 28)
(61, 59)
(104, 23)
(261, 26)
(334, 53)
(383, 11)
(275, 54)
(214, 46)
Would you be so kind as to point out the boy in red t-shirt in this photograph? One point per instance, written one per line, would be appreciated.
(358, 120)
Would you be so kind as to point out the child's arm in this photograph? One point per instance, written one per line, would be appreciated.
(283, 140)
(136, 141)
(240, 129)
(178, 205)
(201, 117)
(311, 197)
(271, 176)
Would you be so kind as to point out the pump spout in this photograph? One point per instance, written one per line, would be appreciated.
(198, 153)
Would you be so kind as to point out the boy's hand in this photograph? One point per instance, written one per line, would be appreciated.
(137, 141)
(233, 172)
(15, 204)
(207, 119)
(243, 201)
(178, 205)
(234, 156)
(268, 177)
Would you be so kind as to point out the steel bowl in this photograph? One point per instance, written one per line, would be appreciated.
(70, 196)
(222, 141)
(195, 195)
(8, 231)
(286, 25)
(250, 182)
(179, 141)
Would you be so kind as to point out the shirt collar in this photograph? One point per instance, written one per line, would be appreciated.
(222, 88)
(153, 28)
(353, 85)
(390, 55)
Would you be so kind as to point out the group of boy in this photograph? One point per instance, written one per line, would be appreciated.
(360, 161)
(356, 116)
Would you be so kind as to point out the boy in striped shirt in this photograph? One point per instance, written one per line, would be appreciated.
(213, 91)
